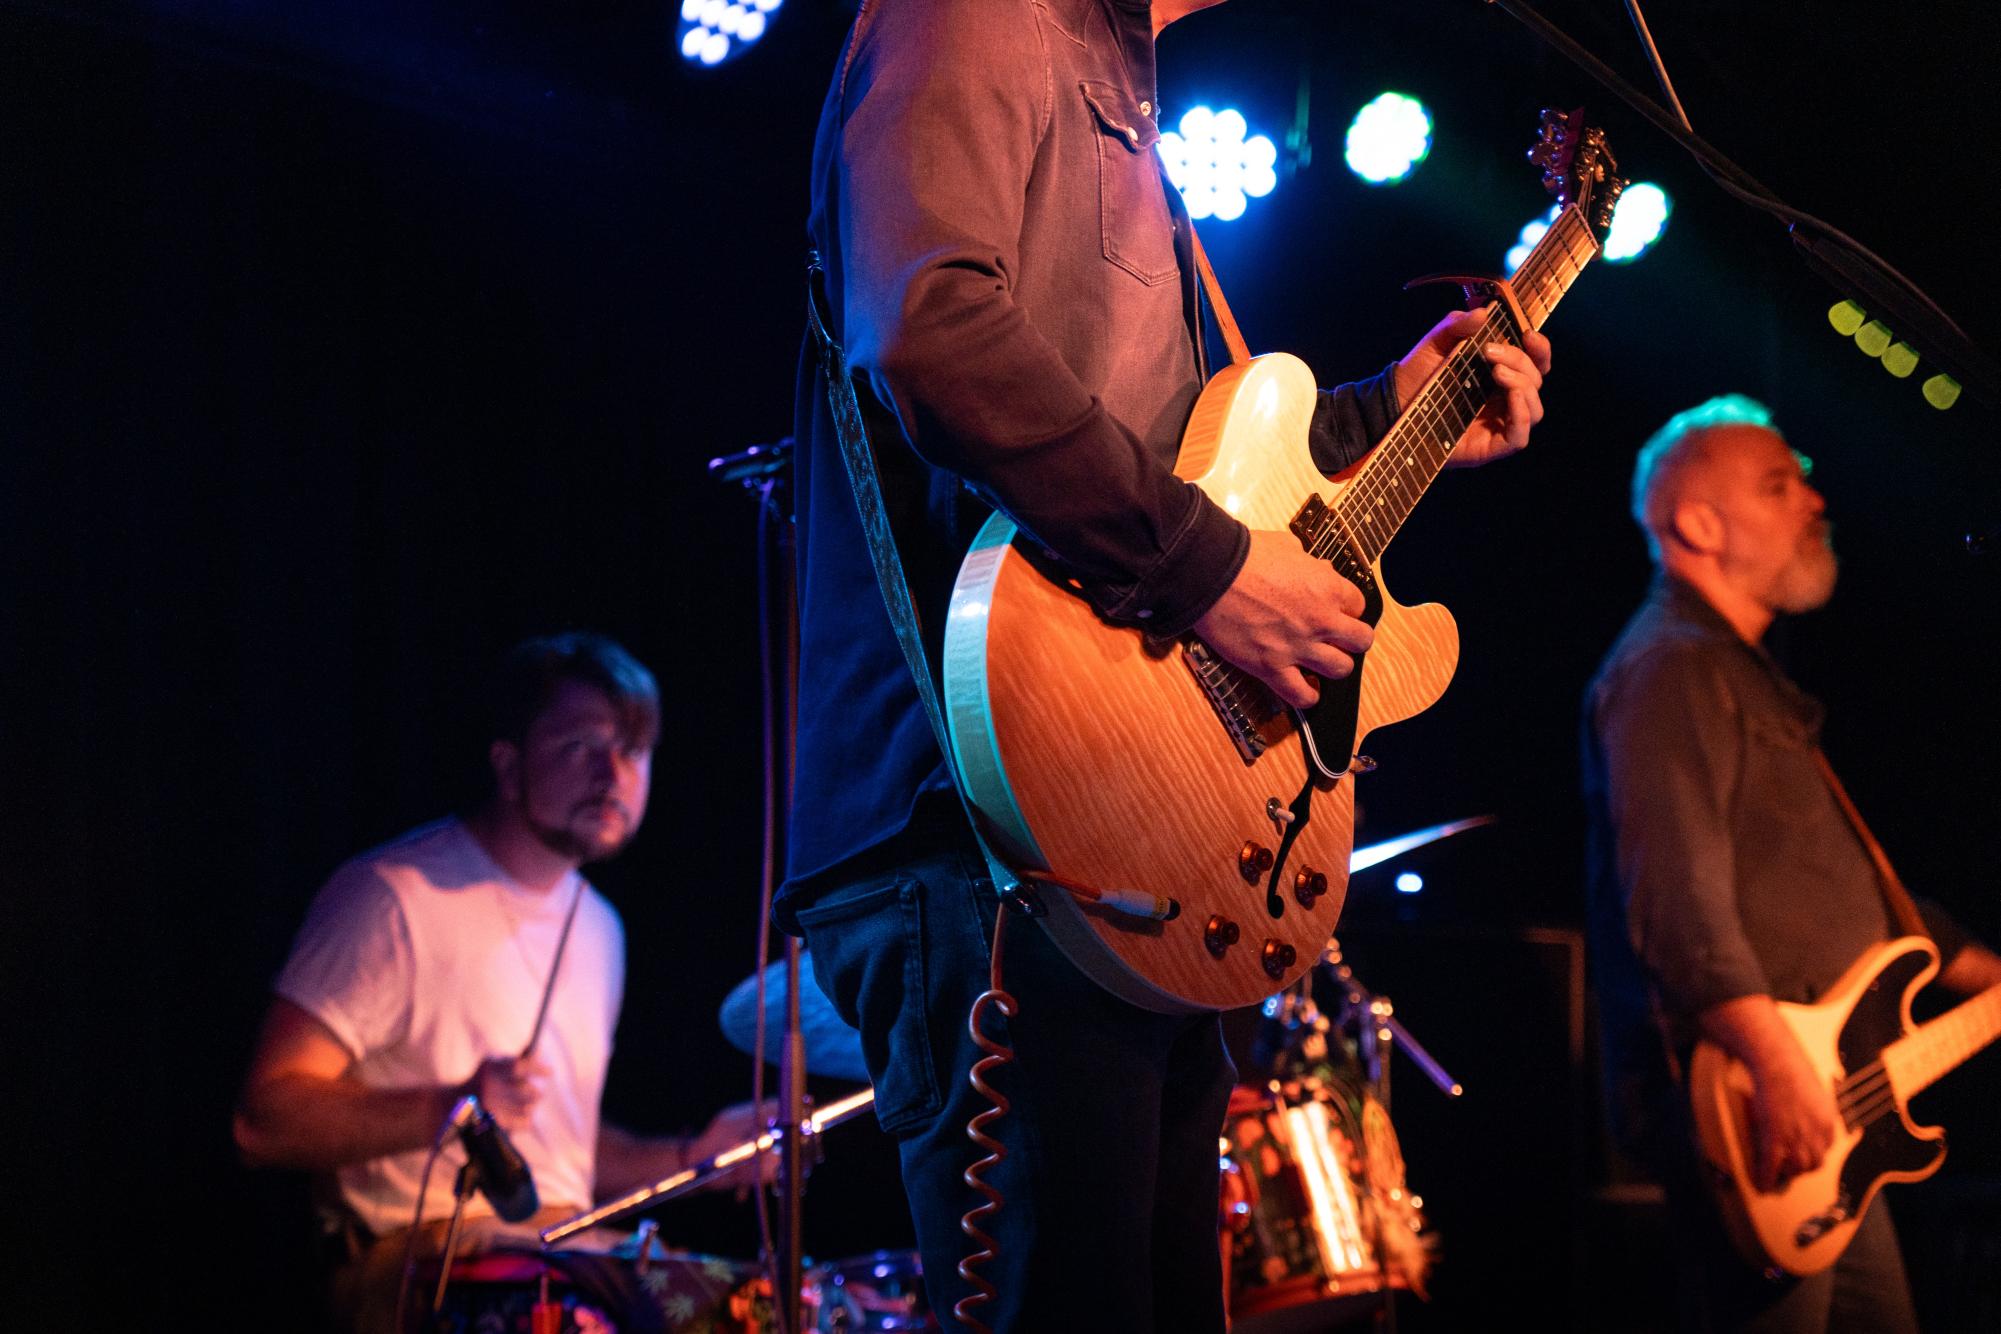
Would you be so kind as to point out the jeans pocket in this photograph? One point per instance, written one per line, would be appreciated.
(867, 943)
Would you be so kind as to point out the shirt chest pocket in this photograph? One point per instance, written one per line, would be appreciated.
(1135, 229)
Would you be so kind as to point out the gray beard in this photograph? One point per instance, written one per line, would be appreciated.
(1807, 582)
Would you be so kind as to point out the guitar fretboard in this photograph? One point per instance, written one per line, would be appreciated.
(1357, 530)
(1918, 1058)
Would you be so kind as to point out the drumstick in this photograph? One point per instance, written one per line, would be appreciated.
(555, 965)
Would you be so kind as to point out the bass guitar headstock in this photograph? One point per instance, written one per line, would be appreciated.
(1578, 167)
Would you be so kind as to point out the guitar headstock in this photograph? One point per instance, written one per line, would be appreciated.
(1578, 168)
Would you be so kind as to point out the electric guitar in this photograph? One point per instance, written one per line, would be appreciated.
(1195, 829)
(1860, 1037)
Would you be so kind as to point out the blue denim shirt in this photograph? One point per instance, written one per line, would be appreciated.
(1011, 278)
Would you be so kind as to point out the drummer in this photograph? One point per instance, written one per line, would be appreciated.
(419, 978)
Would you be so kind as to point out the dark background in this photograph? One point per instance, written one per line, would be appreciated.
(343, 348)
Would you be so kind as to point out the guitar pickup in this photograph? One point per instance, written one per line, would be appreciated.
(1306, 524)
(1223, 686)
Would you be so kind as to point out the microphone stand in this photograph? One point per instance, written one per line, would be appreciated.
(462, 1190)
(764, 470)
(1378, 1028)
(1838, 259)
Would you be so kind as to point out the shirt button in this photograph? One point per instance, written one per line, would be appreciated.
(1146, 108)
(1132, 134)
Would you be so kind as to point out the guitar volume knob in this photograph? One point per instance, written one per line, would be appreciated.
(1277, 956)
(1220, 934)
(1253, 860)
(1308, 886)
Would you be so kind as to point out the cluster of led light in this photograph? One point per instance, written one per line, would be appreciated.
(1531, 233)
(1217, 169)
(713, 31)
(1637, 223)
(1388, 138)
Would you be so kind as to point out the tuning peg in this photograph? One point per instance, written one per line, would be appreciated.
(1606, 202)
(1595, 144)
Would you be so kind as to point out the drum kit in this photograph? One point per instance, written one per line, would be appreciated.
(1316, 1224)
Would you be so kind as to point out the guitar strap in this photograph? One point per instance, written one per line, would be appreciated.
(1226, 323)
(866, 484)
(1903, 911)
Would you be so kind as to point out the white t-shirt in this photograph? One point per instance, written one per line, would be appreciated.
(424, 958)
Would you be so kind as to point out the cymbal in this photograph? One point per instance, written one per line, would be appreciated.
(1375, 853)
(832, 1048)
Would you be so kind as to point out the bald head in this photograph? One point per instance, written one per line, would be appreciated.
(1677, 456)
(1726, 508)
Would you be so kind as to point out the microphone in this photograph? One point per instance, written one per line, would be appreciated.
(497, 1166)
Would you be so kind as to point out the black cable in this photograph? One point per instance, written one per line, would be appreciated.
(1881, 283)
(416, 1224)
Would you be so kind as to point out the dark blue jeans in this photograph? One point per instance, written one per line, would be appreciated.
(1111, 1177)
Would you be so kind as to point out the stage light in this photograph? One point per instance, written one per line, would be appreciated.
(713, 31)
(1531, 233)
(1941, 391)
(1637, 223)
(1409, 882)
(1388, 138)
(1217, 169)
(1898, 357)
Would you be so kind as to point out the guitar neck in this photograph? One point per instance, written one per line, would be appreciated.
(1397, 473)
(1935, 1049)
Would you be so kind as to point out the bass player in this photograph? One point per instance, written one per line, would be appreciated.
(1725, 874)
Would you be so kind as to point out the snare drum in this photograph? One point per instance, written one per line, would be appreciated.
(880, 1292)
(1299, 1222)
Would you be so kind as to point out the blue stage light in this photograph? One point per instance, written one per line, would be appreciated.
(713, 31)
(1409, 882)
(1388, 138)
(1637, 223)
(1531, 233)
(1215, 166)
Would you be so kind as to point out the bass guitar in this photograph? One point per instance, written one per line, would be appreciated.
(1123, 769)
(1861, 1038)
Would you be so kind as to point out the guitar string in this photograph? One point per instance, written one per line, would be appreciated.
(1870, 1112)
(1373, 486)
(1439, 433)
(1867, 1093)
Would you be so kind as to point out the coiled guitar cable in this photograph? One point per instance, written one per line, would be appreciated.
(1134, 903)
(998, 1054)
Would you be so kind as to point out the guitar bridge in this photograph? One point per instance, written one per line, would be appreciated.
(1818, 1226)
(1242, 704)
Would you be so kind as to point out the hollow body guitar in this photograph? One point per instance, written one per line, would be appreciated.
(1103, 760)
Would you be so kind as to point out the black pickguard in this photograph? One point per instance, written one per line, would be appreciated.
(1876, 1021)
(1328, 728)
(1887, 1145)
